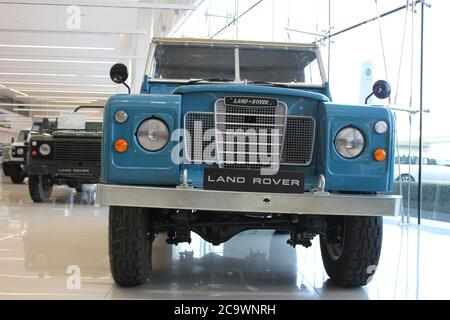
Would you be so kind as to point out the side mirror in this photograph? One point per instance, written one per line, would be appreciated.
(119, 74)
(381, 89)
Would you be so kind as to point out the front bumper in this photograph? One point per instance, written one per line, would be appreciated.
(17, 161)
(320, 203)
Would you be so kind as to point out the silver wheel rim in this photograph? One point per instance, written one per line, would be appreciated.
(405, 178)
(335, 248)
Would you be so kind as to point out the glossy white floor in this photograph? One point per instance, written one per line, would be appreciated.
(41, 243)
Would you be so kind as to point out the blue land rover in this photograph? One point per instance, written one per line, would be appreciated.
(227, 136)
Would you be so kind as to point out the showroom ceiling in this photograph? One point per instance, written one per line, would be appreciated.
(54, 55)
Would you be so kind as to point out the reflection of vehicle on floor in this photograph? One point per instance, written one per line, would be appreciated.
(228, 136)
(70, 155)
(255, 268)
(433, 170)
(264, 257)
(6, 156)
(263, 264)
(15, 158)
(65, 240)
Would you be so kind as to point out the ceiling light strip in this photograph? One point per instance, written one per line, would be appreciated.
(56, 61)
(36, 74)
(4, 104)
(51, 110)
(109, 4)
(54, 75)
(21, 94)
(59, 84)
(68, 57)
(55, 47)
(72, 101)
(47, 97)
(69, 91)
(91, 32)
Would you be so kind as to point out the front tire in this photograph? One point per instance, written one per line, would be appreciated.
(5, 168)
(130, 245)
(40, 187)
(351, 249)
(17, 174)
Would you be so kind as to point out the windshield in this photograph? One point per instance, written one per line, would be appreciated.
(176, 62)
(94, 126)
(294, 65)
(23, 135)
(36, 128)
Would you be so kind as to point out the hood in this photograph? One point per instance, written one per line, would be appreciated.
(251, 89)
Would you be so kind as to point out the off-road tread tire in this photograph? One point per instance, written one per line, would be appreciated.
(5, 169)
(360, 254)
(16, 174)
(36, 189)
(130, 243)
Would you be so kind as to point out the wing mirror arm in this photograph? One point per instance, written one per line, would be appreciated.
(128, 87)
(368, 97)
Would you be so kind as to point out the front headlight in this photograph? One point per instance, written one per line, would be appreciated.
(350, 142)
(45, 149)
(20, 151)
(153, 134)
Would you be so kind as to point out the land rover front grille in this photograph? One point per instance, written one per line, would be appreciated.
(297, 148)
(299, 141)
(249, 136)
(77, 150)
(198, 125)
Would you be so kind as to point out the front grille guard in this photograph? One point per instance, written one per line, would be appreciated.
(242, 120)
(298, 145)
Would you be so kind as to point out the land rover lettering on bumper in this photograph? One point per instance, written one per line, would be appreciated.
(253, 181)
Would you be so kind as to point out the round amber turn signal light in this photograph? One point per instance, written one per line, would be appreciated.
(380, 154)
(121, 145)
(33, 153)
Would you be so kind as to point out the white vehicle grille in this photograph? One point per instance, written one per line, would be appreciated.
(249, 136)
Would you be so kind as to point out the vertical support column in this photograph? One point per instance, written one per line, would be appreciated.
(419, 193)
(237, 66)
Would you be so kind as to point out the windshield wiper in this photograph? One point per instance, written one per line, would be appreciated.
(280, 85)
(194, 81)
(275, 84)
